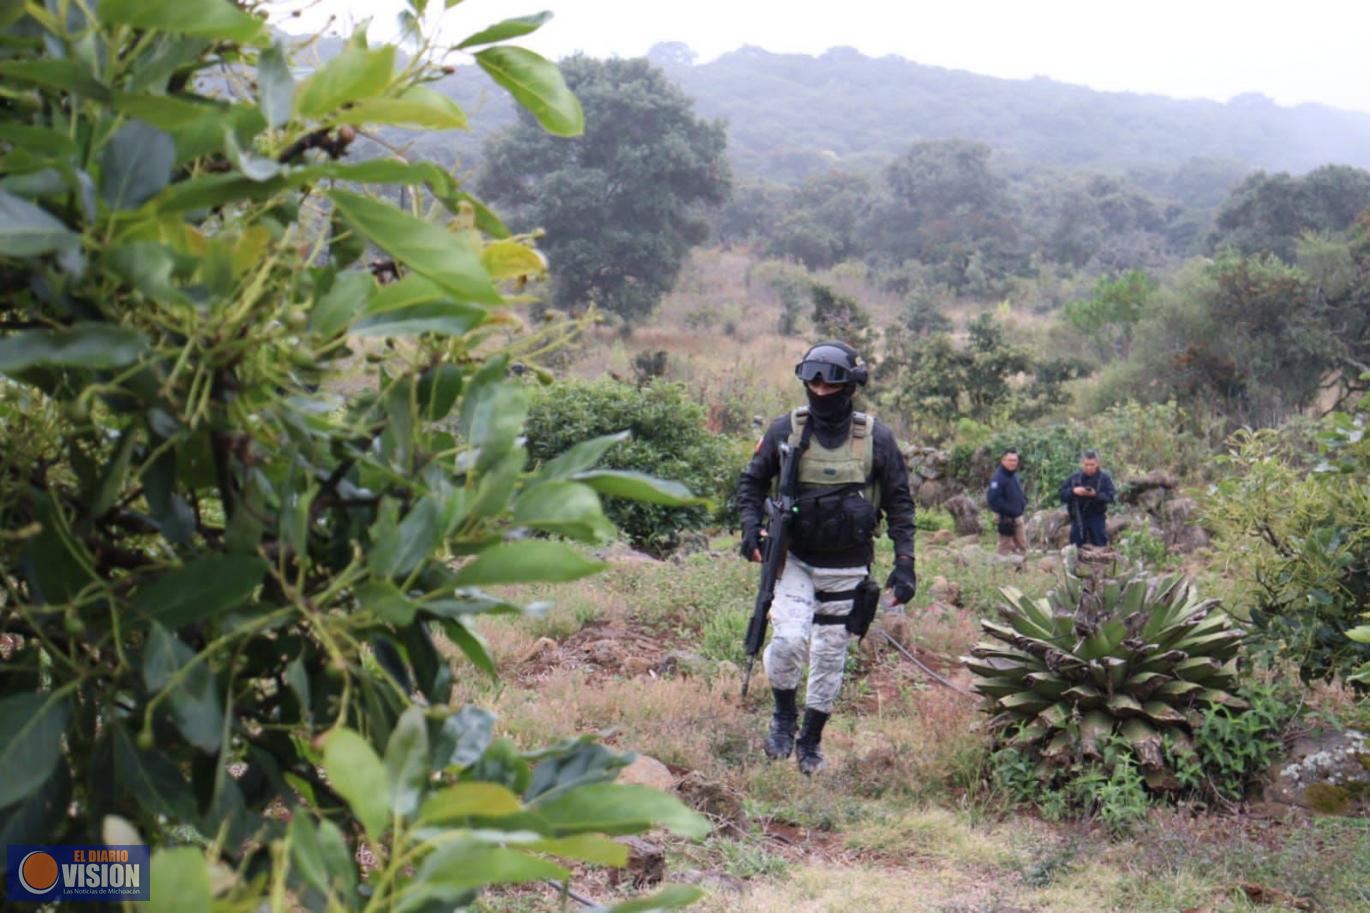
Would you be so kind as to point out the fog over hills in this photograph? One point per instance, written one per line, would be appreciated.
(791, 115)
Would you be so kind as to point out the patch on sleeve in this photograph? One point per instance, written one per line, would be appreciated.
(993, 484)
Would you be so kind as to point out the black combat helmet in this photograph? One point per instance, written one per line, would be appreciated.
(833, 363)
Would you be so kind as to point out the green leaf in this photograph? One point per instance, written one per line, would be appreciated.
(585, 847)
(27, 230)
(64, 75)
(509, 28)
(463, 737)
(428, 249)
(1360, 635)
(41, 140)
(438, 390)
(306, 857)
(156, 782)
(406, 762)
(417, 535)
(201, 589)
(527, 561)
(83, 345)
(252, 166)
(179, 881)
(337, 859)
(566, 508)
(445, 318)
(340, 305)
(581, 457)
(195, 702)
(275, 86)
(352, 76)
(486, 220)
(412, 290)
(206, 18)
(616, 808)
(386, 602)
(537, 85)
(673, 897)
(356, 774)
(116, 474)
(164, 112)
(467, 864)
(638, 487)
(418, 106)
(471, 644)
(469, 800)
(492, 413)
(136, 165)
(31, 728)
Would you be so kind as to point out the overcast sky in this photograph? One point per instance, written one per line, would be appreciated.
(1292, 50)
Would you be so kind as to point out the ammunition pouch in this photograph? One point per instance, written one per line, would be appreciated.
(834, 520)
(864, 607)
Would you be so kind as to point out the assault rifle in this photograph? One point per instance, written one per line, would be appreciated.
(775, 545)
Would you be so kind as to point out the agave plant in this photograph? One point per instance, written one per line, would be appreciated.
(1109, 652)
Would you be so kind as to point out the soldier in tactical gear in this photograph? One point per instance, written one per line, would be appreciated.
(850, 473)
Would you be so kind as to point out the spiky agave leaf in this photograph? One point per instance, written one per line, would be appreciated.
(1106, 653)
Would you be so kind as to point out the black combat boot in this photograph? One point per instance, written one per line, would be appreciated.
(780, 742)
(810, 757)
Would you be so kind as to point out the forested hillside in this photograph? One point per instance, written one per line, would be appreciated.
(792, 115)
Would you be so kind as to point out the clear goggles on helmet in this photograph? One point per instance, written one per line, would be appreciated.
(823, 371)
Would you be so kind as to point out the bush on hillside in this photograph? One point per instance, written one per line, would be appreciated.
(1303, 538)
(668, 439)
(1133, 439)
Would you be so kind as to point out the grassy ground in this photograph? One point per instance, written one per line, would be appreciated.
(903, 819)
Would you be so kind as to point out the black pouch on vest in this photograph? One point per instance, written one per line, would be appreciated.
(1008, 526)
(834, 521)
(863, 607)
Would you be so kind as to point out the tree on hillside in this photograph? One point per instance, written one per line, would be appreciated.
(1109, 317)
(1267, 213)
(933, 381)
(623, 204)
(947, 207)
(824, 221)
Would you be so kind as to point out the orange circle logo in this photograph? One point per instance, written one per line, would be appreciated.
(38, 872)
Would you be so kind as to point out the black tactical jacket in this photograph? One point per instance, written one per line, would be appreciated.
(891, 478)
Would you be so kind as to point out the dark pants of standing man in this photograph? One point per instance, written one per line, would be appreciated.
(1096, 526)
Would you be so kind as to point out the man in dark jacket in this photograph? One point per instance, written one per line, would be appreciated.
(850, 473)
(1007, 500)
(1087, 495)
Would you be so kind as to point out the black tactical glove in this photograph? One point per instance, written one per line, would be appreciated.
(751, 543)
(902, 580)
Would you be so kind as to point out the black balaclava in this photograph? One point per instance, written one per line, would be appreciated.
(831, 415)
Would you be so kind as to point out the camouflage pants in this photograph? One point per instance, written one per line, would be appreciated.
(796, 639)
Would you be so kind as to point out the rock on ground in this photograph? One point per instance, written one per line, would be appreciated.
(1326, 772)
(966, 513)
(647, 771)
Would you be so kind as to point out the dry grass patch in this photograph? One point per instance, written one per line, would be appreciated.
(691, 723)
(826, 888)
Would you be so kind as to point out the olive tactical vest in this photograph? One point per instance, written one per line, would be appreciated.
(851, 463)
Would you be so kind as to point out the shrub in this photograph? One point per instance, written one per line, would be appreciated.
(223, 580)
(667, 438)
(1303, 538)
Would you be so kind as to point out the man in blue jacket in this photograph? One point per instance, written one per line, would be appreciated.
(1087, 495)
(1007, 500)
